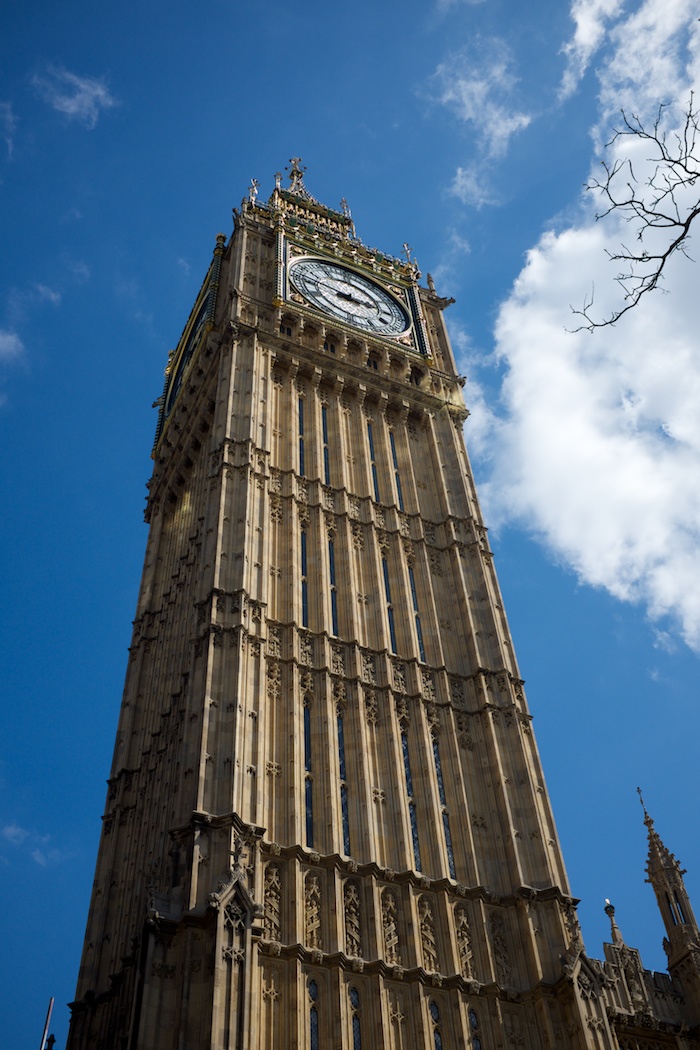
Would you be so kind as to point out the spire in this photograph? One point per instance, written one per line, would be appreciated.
(296, 180)
(665, 875)
(615, 933)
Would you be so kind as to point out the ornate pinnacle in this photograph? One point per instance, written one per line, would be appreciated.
(296, 180)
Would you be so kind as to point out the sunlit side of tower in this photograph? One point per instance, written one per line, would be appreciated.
(326, 824)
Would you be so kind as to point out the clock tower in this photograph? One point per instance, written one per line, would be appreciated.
(326, 823)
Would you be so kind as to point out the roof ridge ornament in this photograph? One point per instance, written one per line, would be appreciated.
(296, 180)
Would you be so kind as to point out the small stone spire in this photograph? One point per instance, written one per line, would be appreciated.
(615, 933)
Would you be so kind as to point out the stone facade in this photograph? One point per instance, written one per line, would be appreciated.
(327, 823)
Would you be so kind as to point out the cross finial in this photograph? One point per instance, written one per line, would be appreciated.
(345, 208)
(406, 250)
(253, 191)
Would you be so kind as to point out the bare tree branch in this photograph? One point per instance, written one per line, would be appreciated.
(661, 209)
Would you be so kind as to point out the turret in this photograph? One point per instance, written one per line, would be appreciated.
(682, 941)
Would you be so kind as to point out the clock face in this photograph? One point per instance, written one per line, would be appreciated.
(348, 296)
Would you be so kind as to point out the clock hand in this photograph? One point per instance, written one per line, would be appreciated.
(350, 298)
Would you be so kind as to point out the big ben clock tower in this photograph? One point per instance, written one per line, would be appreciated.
(326, 823)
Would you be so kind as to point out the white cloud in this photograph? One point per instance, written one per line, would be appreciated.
(447, 5)
(590, 18)
(470, 184)
(37, 846)
(479, 85)
(598, 451)
(47, 295)
(79, 98)
(14, 834)
(8, 126)
(11, 346)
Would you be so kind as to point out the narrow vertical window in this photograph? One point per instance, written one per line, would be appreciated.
(389, 606)
(343, 786)
(435, 1015)
(302, 469)
(308, 782)
(397, 476)
(356, 1028)
(411, 803)
(474, 1025)
(326, 452)
(680, 909)
(313, 1016)
(375, 479)
(334, 592)
(304, 583)
(414, 598)
(443, 804)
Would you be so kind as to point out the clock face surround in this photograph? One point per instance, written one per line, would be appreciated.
(184, 359)
(348, 296)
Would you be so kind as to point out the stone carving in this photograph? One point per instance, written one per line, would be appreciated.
(270, 992)
(399, 672)
(390, 928)
(351, 900)
(427, 935)
(274, 645)
(275, 509)
(504, 973)
(369, 673)
(273, 681)
(353, 507)
(306, 682)
(306, 649)
(464, 737)
(273, 897)
(464, 942)
(379, 517)
(275, 482)
(430, 536)
(435, 563)
(428, 686)
(234, 926)
(402, 712)
(312, 900)
(273, 769)
(337, 660)
(340, 696)
(358, 537)
(371, 707)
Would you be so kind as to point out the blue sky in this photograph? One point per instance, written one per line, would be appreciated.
(127, 134)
